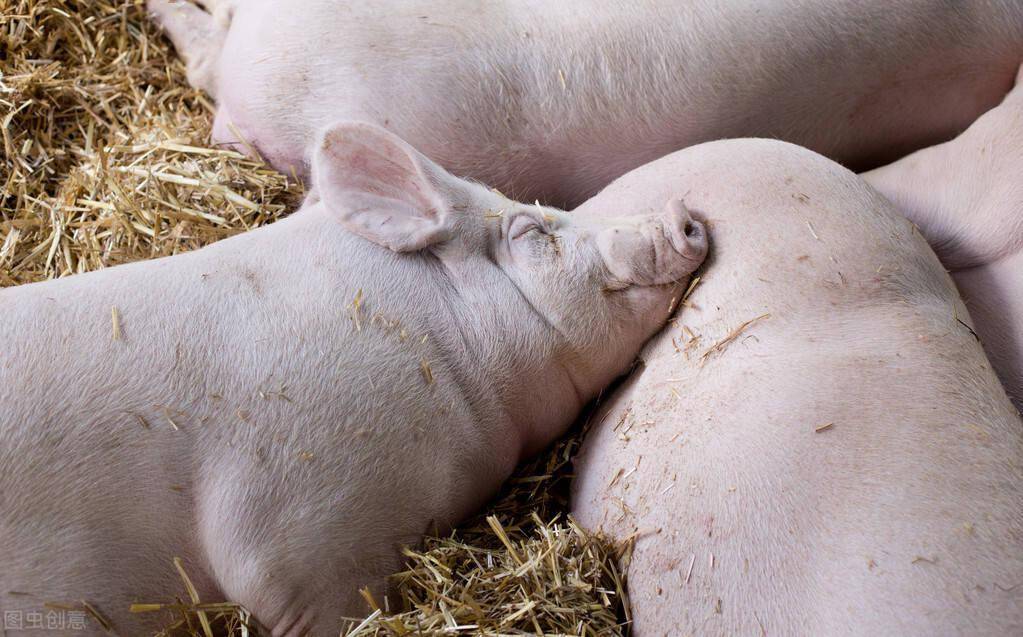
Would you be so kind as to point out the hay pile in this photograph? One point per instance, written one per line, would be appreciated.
(106, 159)
(105, 152)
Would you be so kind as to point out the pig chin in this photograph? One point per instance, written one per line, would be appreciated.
(659, 267)
(649, 306)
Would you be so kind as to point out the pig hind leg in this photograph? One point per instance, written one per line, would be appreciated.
(198, 36)
(967, 199)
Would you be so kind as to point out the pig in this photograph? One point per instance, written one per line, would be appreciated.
(966, 196)
(817, 445)
(284, 409)
(553, 100)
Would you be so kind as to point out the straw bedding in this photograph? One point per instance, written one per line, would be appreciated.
(106, 159)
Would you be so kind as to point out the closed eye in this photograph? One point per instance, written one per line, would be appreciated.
(614, 285)
(521, 226)
(521, 232)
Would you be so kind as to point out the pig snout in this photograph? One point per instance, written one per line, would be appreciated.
(687, 235)
(657, 250)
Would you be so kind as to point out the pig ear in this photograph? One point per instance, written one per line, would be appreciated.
(381, 189)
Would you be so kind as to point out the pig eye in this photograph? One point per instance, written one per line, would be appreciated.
(523, 225)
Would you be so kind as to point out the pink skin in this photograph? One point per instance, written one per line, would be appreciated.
(285, 408)
(553, 100)
(846, 464)
(966, 196)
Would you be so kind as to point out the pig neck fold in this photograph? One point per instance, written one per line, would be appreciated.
(528, 380)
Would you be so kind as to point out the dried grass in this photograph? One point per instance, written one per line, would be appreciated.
(106, 159)
(105, 152)
(520, 568)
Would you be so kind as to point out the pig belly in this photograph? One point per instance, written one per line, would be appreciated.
(88, 512)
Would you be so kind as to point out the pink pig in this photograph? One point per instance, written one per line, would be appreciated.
(966, 196)
(285, 408)
(817, 445)
(553, 100)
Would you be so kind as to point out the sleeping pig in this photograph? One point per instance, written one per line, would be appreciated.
(287, 407)
(553, 100)
(817, 445)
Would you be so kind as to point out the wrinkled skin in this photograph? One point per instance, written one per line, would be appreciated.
(751, 515)
(966, 196)
(553, 100)
(285, 408)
